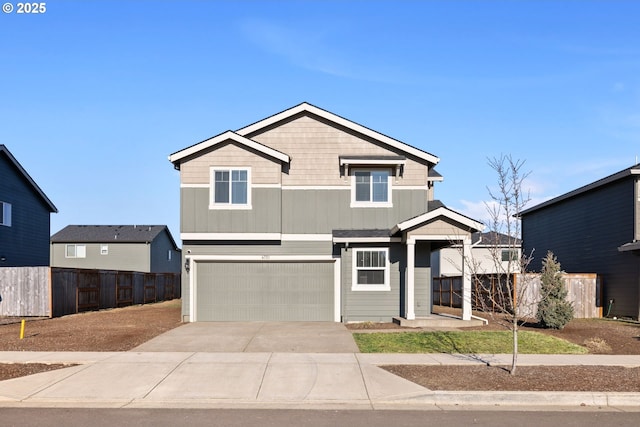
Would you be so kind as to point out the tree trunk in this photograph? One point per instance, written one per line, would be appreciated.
(514, 359)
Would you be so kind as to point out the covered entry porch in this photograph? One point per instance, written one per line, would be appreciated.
(440, 227)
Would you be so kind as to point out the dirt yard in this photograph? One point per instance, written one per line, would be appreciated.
(125, 328)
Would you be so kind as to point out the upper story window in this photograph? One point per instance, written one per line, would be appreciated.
(371, 188)
(370, 270)
(5, 214)
(75, 251)
(104, 249)
(230, 188)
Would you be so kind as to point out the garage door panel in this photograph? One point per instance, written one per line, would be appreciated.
(275, 291)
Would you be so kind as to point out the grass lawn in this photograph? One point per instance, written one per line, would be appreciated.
(470, 342)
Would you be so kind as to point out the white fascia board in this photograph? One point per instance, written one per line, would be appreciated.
(366, 239)
(265, 257)
(371, 162)
(439, 237)
(230, 236)
(223, 137)
(434, 214)
(341, 121)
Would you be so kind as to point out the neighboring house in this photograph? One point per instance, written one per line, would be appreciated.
(143, 248)
(594, 229)
(487, 249)
(306, 215)
(24, 216)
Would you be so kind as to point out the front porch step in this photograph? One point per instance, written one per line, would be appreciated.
(437, 321)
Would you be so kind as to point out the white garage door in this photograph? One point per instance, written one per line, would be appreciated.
(270, 291)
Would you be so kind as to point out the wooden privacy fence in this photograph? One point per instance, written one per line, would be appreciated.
(584, 292)
(54, 292)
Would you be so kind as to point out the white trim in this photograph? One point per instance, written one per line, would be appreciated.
(5, 219)
(411, 271)
(441, 211)
(194, 259)
(386, 162)
(354, 271)
(316, 187)
(307, 237)
(380, 239)
(371, 204)
(433, 237)
(224, 137)
(230, 236)
(341, 121)
(229, 206)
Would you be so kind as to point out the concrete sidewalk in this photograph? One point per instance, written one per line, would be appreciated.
(278, 380)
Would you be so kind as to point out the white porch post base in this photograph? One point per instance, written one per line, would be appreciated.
(411, 264)
(466, 280)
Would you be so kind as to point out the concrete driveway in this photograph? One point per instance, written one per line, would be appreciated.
(254, 337)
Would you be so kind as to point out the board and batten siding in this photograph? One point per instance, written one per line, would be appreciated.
(584, 233)
(197, 170)
(121, 256)
(315, 144)
(26, 241)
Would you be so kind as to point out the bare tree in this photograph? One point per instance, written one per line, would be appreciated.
(507, 301)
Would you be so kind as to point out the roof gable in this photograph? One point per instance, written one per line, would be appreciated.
(441, 211)
(4, 150)
(311, 109)
(633, 170)
(176, 157)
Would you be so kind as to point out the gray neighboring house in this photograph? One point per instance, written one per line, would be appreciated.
(594, 229)
(143, 248)
(25, 216)
(486, 248)
(308, 216)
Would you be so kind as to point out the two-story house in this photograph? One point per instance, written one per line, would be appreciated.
(25, 216)
(594, 229)
(142, 248)
(306, 215)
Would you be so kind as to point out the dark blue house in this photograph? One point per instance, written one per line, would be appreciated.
(594, 229)
(24, 216)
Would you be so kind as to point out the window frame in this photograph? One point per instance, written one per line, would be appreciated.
(5, 214)
(212, 188)
(104, 249)
(75, 250)
(370, 203)
(506, 253)
(355, 286)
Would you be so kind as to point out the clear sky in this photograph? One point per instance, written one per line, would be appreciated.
(95, 95)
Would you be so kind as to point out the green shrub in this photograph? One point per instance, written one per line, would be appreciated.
(554, 311)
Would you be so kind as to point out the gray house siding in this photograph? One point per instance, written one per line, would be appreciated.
(160, 261)
(121, 256)
(584, 233)
(383, 306)
(26, 241)
(263, 217)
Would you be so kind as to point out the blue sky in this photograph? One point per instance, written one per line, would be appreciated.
(97, 94)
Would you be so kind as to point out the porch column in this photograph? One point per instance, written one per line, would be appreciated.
(411, 271)
(466, 280)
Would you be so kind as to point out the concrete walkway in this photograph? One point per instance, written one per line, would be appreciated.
(139, 379)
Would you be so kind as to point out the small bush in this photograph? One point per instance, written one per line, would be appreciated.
(554, 311)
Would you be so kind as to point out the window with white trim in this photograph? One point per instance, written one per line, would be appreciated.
(230, 188)
(371, 188)
(370, 269)
(104, 249)
(75, 251)
(5, 214)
